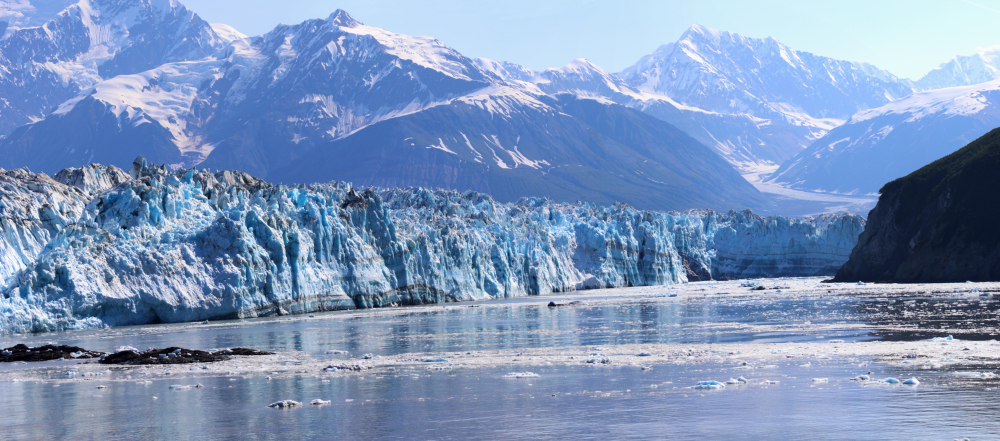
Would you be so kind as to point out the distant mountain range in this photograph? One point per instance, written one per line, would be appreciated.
(878, 145)
(104, 80)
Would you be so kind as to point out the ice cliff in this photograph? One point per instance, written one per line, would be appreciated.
(96, 247)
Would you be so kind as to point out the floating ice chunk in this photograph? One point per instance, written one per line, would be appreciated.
(643, 354)
(368, 356)
(861, 283)
(101, 386)
(328, 369)
(126, 349)
(180, 387)
(740, 380)
(711, 384)
(835, 341)
(522, 375)
(284, 404)
(975, 374)
(891, 380)
(912, 382)
(820, 380)
(770, 382)
(335, 352)
(948, 338)
(435, 360)
(319, 402)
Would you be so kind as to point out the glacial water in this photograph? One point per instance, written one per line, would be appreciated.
(565, 401)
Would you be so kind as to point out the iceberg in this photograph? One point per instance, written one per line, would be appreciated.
(97, 247)
(709, 385)
(284, 404)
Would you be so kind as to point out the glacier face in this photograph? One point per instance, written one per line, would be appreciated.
(193, 245)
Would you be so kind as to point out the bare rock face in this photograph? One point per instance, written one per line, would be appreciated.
(190, 245)
(936, 224)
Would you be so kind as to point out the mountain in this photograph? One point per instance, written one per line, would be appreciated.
(962, 70)
(44, 64)
(937, 224)
(281, 94)
(98, 248)
(312, 101)
(509, 144)
(742, 139)
(878, 145)
(777, 100)
(729, 73)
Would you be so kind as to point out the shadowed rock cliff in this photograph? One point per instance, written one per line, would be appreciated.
(937, 224)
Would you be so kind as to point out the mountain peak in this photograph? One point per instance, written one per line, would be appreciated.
(341, 18)
(699, 32)
(577, 66)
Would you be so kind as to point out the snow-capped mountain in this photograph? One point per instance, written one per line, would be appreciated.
(43, 65)
(963, 70)
(509, 144)
(746, 141)
(275, 96)
(287, 99)
(879, 145)
(729, 73)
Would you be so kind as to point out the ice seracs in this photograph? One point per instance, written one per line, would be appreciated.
(192, 245)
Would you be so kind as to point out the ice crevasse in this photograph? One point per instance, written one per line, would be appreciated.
(96, 246)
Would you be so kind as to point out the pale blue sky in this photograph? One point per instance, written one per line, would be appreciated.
(908, 38)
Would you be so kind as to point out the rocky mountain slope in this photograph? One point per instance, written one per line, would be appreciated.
(193, 245)
(301, 104)
(878, 145)
(45, 63)
(729, 73)
(936, 224)
(563, 148)
(742, 139)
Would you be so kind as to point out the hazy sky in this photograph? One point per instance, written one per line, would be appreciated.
(908, 38)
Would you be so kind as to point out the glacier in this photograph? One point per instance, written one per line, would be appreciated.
(95, 247)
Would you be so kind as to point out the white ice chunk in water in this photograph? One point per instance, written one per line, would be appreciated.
(522, 375)
(912, 382)
(319, 402)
